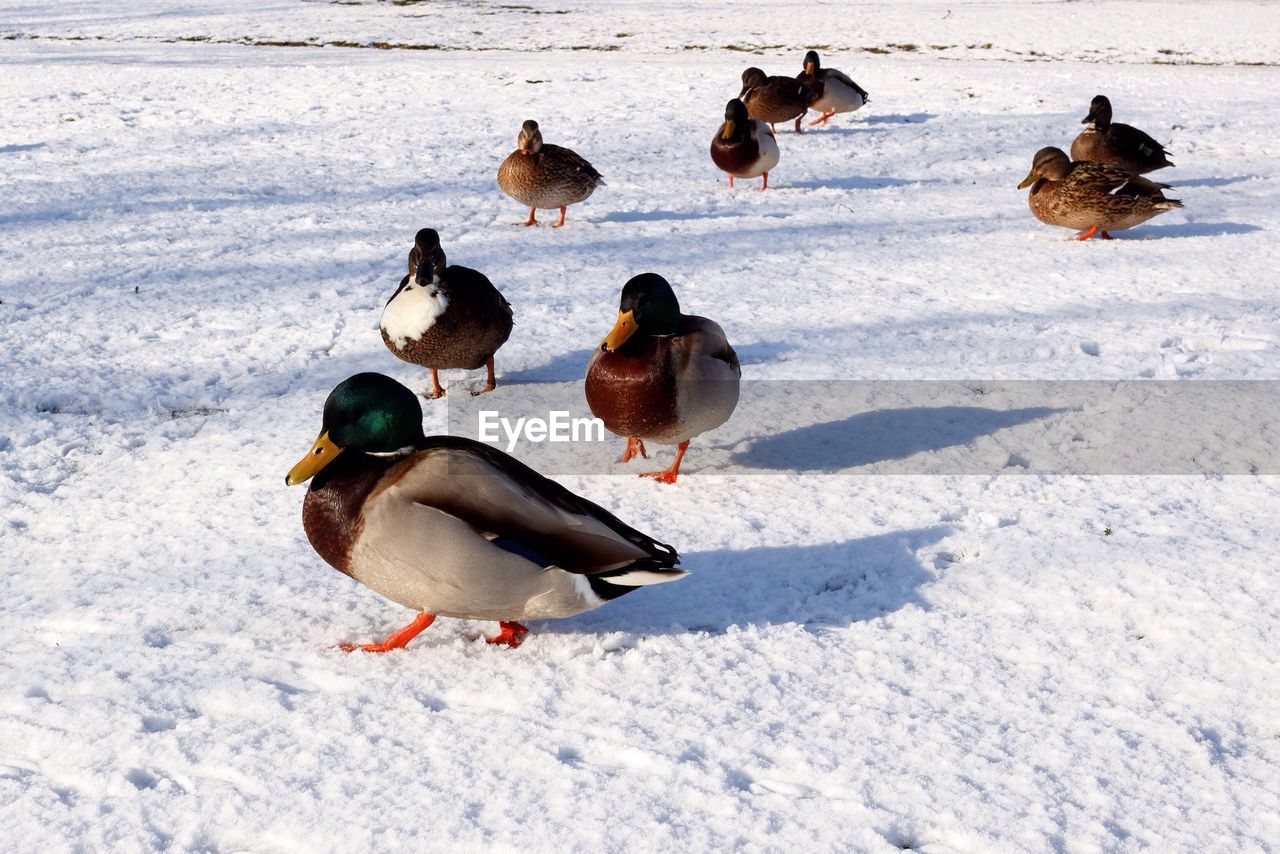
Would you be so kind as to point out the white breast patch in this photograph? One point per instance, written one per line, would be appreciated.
(412, 312)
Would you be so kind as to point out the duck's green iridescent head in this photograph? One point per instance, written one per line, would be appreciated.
(367, 412)
(648, 306)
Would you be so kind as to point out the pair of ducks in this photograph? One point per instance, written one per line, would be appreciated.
(1099, 189)
(452, 527)
(744, 145)
(659, 375)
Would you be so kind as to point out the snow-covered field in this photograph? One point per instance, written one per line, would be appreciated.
(203, 212)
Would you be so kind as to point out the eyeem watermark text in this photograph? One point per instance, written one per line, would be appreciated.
(559, 426)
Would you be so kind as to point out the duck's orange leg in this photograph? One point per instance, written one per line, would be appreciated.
(560, 221)
(511, 633)
(1090, 233)
(731, 181)
(670, 475)
(531, 220)
(765, 185)
(395, 640)
(437, 390)
(491, 384)
(634, 446)
(823, 119)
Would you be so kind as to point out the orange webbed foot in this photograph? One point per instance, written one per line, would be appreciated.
(665, 476)
(396, 640)
(510, 633)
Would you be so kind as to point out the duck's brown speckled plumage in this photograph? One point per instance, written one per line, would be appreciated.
(1119, 145)
(773, 99)
(539, 175)
(1082, 195)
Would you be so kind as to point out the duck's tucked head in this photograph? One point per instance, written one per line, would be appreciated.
(530, 138)
(1099, 113)
(1050, 163)
(426, 260)
(751, 78)
(811, 63)
(735, 121)
(367, 412)
(648, 306)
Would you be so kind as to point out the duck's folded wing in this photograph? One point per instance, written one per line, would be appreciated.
(848, 81)
(1129, 138)
(570, 162)
(524, 512)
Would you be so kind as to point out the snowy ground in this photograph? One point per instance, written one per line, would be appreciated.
(199, 228)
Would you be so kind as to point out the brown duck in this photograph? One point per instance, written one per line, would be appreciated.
(744, 147)
(830, 91)
(444, 317)
(661, 375)
(545, 176)
(1090, 197)
(774, 99)
(1114, 144)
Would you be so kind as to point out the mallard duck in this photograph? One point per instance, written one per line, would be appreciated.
(743, 147)
(830, 91)
(545, 176)
(1091, 197)
(1114, 144)
(452, 527)
(661, 375)
(445, 317)
(773, 99)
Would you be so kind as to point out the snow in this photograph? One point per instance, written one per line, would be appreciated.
(199, 234)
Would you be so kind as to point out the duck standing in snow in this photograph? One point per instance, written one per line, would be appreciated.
(1114, 144)
(830, 91)
(744, 147)
(452, 527)
(661, 375)
(773, 99)
(1090, 197)
(539, 175)
(444, 317)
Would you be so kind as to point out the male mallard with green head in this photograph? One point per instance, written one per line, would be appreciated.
(452, 527)
(1114, 144)
(830, 91)
(773, 99)
(539, 175)
(444, 317)
(1090, 197)
(744, 147)
(661, 375)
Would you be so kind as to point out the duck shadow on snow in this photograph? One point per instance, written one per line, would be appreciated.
(825, 586)
(655, 216)
(880, 435)
(854, 182)
(1194, 229)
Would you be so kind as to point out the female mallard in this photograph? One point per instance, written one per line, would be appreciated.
(545, 176)
(830, 91)
(1091, 197)
(452, 527)
(661, 375)
(743, 147)
(445, 317)
(773, 99)
(1113, 144)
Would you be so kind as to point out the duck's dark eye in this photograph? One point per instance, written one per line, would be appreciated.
(319, 451)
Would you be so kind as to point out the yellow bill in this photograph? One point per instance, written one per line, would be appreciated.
(321, 454)
(622, 330)
(728, 129)
(1028, 181)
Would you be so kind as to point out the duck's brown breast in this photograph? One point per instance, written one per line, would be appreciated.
(331, 512)
(633, 390)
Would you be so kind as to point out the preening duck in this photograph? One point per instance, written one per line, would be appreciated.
(451, 527)
(444, 317)
(661, 375)
(1114, 144)
(539, 175)
(773, 99)
(744, 147)
(1090, 197)
(830, 91)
